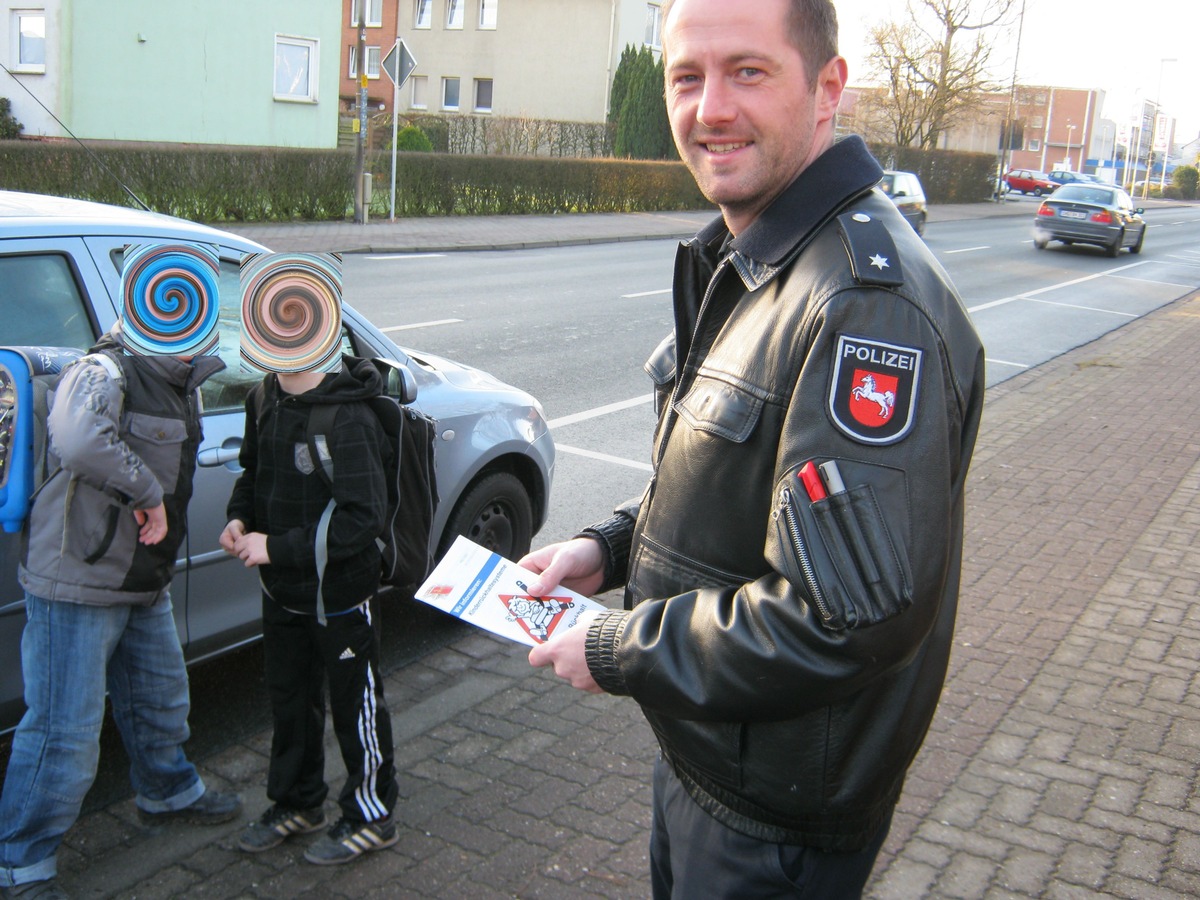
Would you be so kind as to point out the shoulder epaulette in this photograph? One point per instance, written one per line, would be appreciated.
(873, 255)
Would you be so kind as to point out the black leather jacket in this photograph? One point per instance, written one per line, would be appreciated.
(789, 654)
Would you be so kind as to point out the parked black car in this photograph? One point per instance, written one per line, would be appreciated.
(1090, 214)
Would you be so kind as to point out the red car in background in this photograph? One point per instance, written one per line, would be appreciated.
(1028, 181)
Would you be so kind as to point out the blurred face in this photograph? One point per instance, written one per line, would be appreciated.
(745, 117)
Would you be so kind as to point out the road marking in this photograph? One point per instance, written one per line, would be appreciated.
(1001, 362)
(1087, 308)
(1155, 281)
(409, 256)
(600, 411)
(429, 324)
(645, 294)
(965, 250)
(604, 457)
(1028, 295)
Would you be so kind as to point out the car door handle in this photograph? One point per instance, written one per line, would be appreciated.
(220, 456)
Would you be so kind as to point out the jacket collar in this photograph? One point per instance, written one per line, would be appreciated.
(839, 175)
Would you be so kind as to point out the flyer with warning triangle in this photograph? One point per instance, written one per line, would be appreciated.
(489, 591)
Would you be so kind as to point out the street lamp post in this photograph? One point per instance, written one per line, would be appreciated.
(1154, 135)
(1070, 134)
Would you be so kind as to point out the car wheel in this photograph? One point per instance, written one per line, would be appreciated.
(1115, 247)
(496, 513)
(919, 225)
(1137, 248)
(1040, 243)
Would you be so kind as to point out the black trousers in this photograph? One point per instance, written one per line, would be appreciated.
(300, 654)
(693, 855)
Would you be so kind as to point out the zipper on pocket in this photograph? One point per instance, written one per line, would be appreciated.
(806, 565)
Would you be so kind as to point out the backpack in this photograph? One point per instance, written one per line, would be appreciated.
(28, 378)
(404, 543)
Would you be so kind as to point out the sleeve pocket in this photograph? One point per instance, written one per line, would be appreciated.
(849, 551)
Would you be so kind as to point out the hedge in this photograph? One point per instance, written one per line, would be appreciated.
(224, 184)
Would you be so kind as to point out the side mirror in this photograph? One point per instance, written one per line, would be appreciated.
(400, 382)
(900, 193)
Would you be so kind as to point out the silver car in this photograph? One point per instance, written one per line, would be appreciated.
(1097, 214)
(60, 265)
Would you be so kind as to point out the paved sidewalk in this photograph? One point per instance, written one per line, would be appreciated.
(1063, 761)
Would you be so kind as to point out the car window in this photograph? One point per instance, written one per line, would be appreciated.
(41, 302)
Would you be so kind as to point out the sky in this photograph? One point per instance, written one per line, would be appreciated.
(1111, 45)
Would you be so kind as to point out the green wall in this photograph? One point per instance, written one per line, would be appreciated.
(174, 70)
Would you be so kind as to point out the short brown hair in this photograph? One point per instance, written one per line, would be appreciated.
(813, 27)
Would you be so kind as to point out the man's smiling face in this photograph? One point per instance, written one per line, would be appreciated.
(745, 117)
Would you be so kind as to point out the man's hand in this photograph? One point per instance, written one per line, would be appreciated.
(252, 549)
(229, 537)
(565, 651)
(153, 524)
(577, 565)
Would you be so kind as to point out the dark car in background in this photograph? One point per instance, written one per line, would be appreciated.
(60, 273)
(1029, 181)
(1097, 214)
(905, 190)
(1065, 176)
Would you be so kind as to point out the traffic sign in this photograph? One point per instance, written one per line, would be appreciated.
(399, 63)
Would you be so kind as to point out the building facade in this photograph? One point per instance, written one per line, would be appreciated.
(537, 59)
(221, 72)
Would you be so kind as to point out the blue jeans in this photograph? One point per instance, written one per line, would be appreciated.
(69, 652)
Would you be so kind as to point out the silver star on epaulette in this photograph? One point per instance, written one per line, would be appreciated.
(879, 262)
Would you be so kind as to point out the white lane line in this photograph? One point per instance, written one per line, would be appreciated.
(1002, 362)
(408, 256)
(1028, 295)
(645, 294)
(429, 324)
(1175, 284)
(1110, 312)
(600, 411)
(604, 457)
(965, 250)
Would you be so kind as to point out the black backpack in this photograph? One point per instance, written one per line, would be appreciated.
(409, 470)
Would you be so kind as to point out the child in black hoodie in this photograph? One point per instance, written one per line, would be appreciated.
(309, 633)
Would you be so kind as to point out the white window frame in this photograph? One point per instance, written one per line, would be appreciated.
(1034, 145)
(19, 64)
(491, 91)
(373, 62)
(456, 14)
(422, 14)
(487, 14)
(446, 82)
(313, 47)
(374, 13)
(420, 92)
(654, 25)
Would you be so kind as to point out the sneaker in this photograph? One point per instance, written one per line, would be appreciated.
(35, 890)
(278, 824)
(212, 808)
(348, 840)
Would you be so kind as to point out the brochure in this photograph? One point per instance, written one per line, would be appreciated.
(489, 591)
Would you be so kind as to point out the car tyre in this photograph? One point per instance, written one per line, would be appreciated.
(494, 512)
(919, 225)
(1037, 192)
(1137, 248)
(1115, 247)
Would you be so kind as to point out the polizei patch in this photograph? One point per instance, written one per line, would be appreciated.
(873, 396)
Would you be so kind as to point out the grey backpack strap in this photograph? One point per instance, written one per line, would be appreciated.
(320, 425)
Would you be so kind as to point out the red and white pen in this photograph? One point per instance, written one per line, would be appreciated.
(812, 481)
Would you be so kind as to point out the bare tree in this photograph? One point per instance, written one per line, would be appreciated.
(935, 65)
